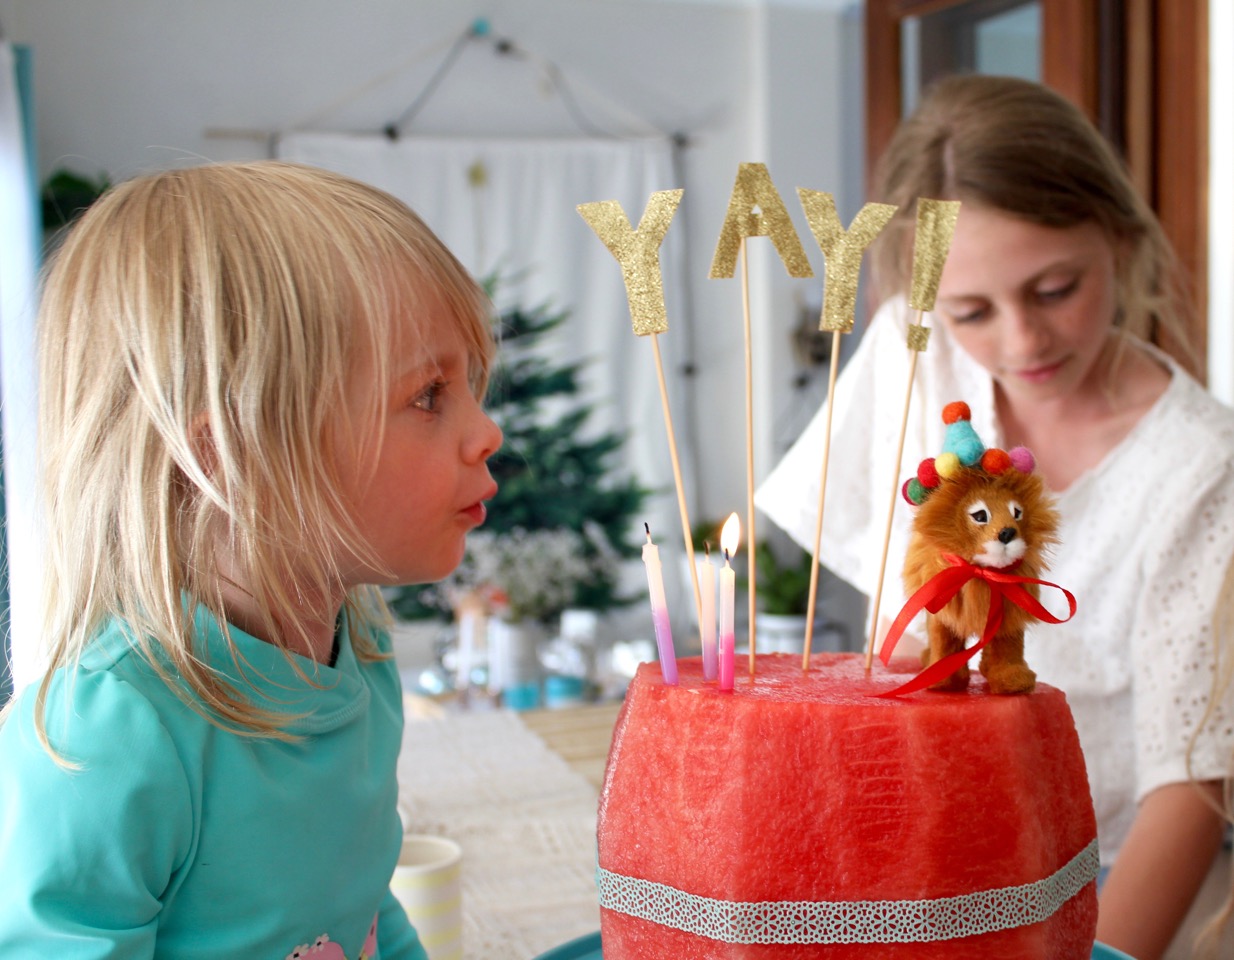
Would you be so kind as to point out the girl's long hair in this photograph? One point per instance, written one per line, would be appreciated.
(1017, 147)
(198, 332)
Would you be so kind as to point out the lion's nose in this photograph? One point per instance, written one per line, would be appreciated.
(1006, 535)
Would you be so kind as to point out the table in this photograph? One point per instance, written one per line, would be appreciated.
(518, 792)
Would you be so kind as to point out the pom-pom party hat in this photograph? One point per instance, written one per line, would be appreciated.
(962, 450)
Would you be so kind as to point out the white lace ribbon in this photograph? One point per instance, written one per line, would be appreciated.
(849, 921)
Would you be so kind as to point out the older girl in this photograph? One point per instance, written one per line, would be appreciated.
(1057, 275)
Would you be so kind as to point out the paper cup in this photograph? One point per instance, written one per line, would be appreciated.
(427, 883)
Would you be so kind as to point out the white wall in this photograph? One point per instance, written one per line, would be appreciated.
(124, 86)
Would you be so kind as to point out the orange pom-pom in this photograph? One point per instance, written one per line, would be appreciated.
(995, 461)
(956, 410)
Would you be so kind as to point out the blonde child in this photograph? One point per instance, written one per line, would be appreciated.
(260, 399)
(1057, 276)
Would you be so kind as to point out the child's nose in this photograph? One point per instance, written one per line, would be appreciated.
(488, 438)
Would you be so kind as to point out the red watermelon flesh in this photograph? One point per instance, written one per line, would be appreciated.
(803, 786)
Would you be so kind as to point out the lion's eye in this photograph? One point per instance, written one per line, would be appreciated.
(1016, 512)
(979, 512)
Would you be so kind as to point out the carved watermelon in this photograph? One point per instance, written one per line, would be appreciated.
(805, 788)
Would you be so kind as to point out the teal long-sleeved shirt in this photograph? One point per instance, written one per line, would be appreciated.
(179, 840)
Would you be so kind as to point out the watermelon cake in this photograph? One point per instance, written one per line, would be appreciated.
(804, 816)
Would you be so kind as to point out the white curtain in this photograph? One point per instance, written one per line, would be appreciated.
(19, 243)
(509, 206)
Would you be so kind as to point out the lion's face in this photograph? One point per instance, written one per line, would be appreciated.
(990, 521)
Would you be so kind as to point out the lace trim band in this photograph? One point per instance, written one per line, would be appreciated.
(849, 921)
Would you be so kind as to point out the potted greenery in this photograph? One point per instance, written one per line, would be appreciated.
(783, 590)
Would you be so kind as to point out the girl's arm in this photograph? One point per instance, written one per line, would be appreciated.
(1160, 867)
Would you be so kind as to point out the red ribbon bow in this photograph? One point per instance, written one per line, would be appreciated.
(938, 591)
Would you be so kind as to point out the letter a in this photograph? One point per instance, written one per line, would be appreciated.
(756, 210)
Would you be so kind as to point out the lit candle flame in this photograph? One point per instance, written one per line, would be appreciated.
(730, 536)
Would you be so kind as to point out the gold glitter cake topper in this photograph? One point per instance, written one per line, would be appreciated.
(935, 227)
(638, 252)
(756, 210)
(842, 251)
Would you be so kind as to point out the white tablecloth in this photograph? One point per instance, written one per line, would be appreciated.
(526, 823)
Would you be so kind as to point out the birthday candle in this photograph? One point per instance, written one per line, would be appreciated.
(707, 629)
(728, 588)
(659, 610)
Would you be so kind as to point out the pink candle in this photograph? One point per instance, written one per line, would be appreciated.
(707, 629)
(729, 538)
(659, 610)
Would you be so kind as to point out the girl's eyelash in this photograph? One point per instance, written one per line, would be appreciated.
(969, 317)
(1057, 293)
(428, 398)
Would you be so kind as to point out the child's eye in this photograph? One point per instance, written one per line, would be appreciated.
(428, 398)
(979, 512)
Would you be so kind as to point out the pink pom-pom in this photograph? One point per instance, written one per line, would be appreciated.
(927, 474)
(947, 464)
(995, 461)
(904, 491)
(956, 410)
(1022, 459)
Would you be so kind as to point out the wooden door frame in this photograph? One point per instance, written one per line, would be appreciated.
(1139, 70)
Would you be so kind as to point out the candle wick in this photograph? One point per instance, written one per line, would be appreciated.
(726, 554)
(707, 547)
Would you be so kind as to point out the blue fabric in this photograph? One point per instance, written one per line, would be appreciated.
(179, 840)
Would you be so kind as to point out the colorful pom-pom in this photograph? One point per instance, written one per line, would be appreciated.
(927, 474)
(956, 410)
(947, 464)
(914, 492)
(995, 461)
(1022, 459)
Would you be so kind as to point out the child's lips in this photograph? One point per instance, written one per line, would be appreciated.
(478, 512)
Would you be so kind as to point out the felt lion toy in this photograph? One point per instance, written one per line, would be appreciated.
(982, 530)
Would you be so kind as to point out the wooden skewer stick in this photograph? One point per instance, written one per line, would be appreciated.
(822, 500)
(750, 535)
(681, 490)
(895, 491)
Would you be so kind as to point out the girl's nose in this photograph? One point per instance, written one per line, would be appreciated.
(1025, 337)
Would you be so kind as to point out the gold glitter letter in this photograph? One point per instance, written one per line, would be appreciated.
(843, 252)
(935, 225)
(756, 210)
(638, 252)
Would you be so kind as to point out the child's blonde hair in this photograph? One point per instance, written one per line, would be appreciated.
(197, 334)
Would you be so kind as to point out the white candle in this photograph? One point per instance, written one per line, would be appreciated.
(707, 629)
(659, 611)
(729, 538)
